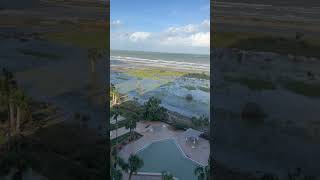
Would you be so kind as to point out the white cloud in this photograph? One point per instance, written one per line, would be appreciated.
(139, 36)
(188, 38)
(190, 28)
(116, 22)
(206, 24)
(201, 39)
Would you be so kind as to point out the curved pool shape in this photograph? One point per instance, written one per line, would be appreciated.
(165, 155)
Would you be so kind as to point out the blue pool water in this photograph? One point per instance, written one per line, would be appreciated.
(166, 156)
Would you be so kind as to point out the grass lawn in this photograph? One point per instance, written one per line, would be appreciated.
(251, 83)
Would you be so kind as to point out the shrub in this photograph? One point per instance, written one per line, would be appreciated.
(189, 97)
(252, 111)
(153, 111)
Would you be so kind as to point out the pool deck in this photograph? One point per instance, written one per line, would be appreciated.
(161, 131)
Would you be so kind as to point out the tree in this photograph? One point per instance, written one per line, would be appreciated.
(8, 86)
(93, 55)
(131, 123)
(153, 111)
(202, 172)
(167, 176)
(200, 122)
(21, 102)
(114, 95)
(115, 113)
(133, 165)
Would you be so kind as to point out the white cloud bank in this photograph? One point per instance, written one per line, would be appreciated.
(139, 36)
(191, 37)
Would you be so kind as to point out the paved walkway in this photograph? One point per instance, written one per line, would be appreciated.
(159, 130)
(121, 131)
(120, 118)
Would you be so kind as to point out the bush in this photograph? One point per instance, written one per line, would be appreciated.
(153, 111)
(189, 97)
(252, 111)
(179, 126)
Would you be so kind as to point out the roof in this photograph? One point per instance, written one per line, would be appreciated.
(192, 133)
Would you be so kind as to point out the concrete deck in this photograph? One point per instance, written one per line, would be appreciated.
(158, 131)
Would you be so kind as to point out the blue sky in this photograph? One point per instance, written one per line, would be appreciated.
(160, 25)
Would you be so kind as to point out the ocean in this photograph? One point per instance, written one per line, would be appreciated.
(195, 62)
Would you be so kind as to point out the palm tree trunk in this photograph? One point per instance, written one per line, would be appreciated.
(116, 131)
(11, 110)
(130, 175)
(93, 65)
(9, 132)
(18, 120)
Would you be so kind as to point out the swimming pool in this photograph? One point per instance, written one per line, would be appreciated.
(165, 155)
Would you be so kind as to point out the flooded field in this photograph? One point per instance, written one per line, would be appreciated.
(180, 81)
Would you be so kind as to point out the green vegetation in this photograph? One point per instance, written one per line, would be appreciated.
(120, 125)
(124, 137)
(306, 89)
(296, 45)
(167, 176)
(15, 101)
(201, 122)
(202, 173)
(180, 125)
(226, 39)
(198, 76)
(153, 111)
(39, 55)
(133, 165)
(205, 89)
(190, 88)
(154, 74)
(252, 83)
(81, 38)
(2, 139)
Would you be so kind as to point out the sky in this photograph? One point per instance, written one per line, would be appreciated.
(175, 26)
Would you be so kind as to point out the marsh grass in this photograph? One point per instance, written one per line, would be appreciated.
(198, 76)
(306, 89)
(190, 88)
(252, 83)
(81, 38)
(268, 43)
(37, 54)
(205, 89)
(154, 74)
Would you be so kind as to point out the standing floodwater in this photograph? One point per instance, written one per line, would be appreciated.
(181, 81)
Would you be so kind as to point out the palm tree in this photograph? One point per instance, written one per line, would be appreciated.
(21, 102)
(93, 55)
(167, 176)
(202, 172)
(8, 86)
(132, 123)
(115, 113)
(134, 164)
(114, 95)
